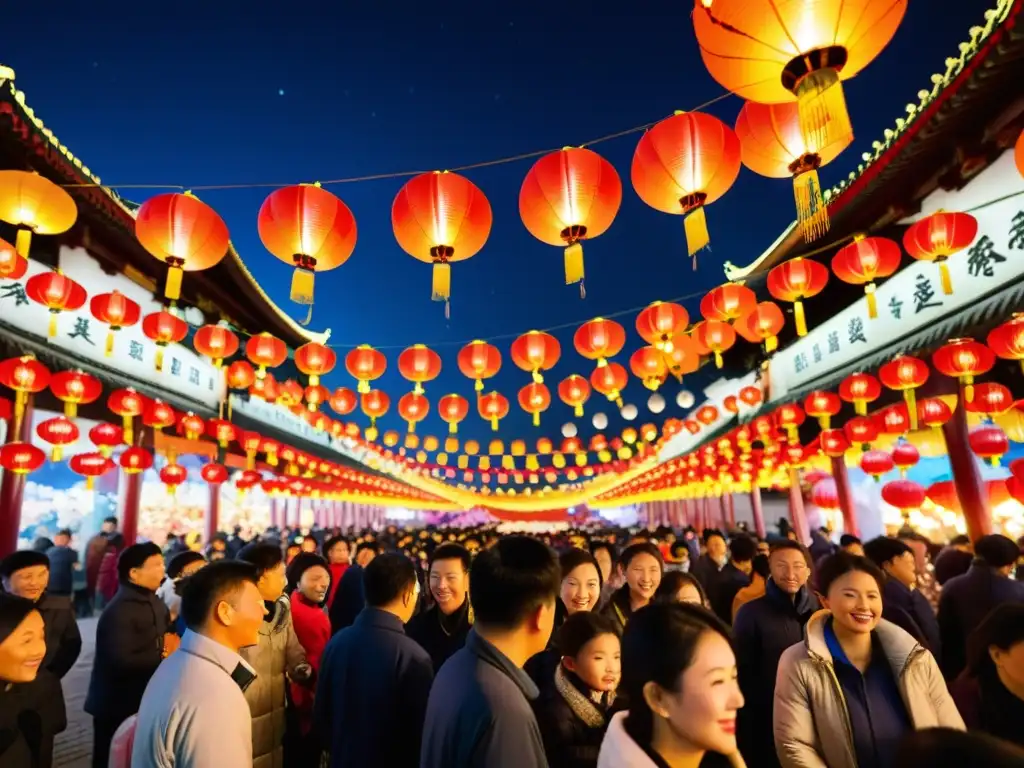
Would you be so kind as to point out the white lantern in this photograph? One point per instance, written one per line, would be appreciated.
(628, 412)
(656, 403)
(685, 399)
(568, 429)
(600, 421)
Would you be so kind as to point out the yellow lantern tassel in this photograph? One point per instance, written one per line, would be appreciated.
(968, 382)
(911, 400)
(824, 119)
(106, 451)
(540, 379)
(536, 418)
(172, 287)
(441, 287)
(159, 358)
(56, 453)
(302, 286)
(945, 279)
(811, 211)
(824, 421)
(696, 227)
(479, 385)
(126, 429)
(798, 318)
(412, 427)
(20, 402)
(90, 481)
(718, 358)
(363, 387)
(494, 423)
(618, 400)
(108, 348)
(23, 241)
(453, 428)
(994, 461)
(71, 409)
(574, 263)
(250, 459)
(578, 410)
(771, 344)
(860, 407)
(869, 293)
(272, 459)
(53, 324)
(418, 388)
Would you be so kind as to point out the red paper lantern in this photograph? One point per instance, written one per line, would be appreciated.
(223, 431)
(599, 339)
(876, 463)
(126, 403)
(289, 393)
(731, 403)
(610, 380)
(761, 325)
(825, 495)
(990, 399)
(264, 389)
(365, 364)
(661, 323)
(822, 406)
(648, 365)
(441, 218)
(419, 364)
(90, 466)
(905, 374)
(865, 260)
(713, 337)
(905, 456)
(989, 442)
(173, 475)
(453, 409)
(158, 414)
(939, 236)
(310, 228)
(943, 493)
(789, 417)
(535, 398)
(135, 459)
(315, 395)
(270, 447)
(251, 443)
(315, 360)
(894, 420)
(163, 328)
(567, 197)
(115, 310)
(963, 359)
(413, 407)
(1007, 340)
(343, 401)
(75, 388)
(106, 437)
(751, 396)
(905, 495)
(478, 360)
(536, 351)
(706, 415)
(57, 292)
(265, 350)
(21, 458)
(574, 391)
(13, 265)
(834, 442)
(240, 375)
(58, 432)
(727, 302)
(493, 407)
(860, 389)
(216, 342)
(794, 281)
(933, 412)
(683, 163)
(214, 474)
(374, 404)
(191, 425)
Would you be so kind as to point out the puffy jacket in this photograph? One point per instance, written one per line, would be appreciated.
(572, 724)
(811, 720)
(277, 654)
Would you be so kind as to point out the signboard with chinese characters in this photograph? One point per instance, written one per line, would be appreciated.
(913, 299)
(280, 418)
(184, 371)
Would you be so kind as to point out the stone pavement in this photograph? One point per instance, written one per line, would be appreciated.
(73, 748)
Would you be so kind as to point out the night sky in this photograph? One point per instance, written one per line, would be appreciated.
(289, 92)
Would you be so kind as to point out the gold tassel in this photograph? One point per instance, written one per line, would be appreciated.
(824, 421)
(771, 344)
(860, 407)
(71, 409)
(494, 423)
(23, 241)
(159, 358)
(798, 318)
(412, 427)
(945, 279)
(811, 211)
(441, 287)
(824, 119)
(540, 379)
(418, 388)
(578, 410)
(108, 348)
(363, 387)
(479, 385)
(869, 292)
(172, 288)
(302, 286)
(453, 428)
(53, 324)
(718, 359)
(90, 481)
(968, 382)
(126, 429)
(911, 400)
(56, 453)
(696, 227)
(574, 263)
(536, 418)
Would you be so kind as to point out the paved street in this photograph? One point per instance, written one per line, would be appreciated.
(74, 747)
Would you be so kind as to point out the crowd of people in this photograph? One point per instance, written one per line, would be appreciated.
(596, 648)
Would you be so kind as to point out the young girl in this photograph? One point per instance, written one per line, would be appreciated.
(572, 713)
(642, 566)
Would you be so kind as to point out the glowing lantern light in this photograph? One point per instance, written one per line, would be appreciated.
(683, 358)
(905, 495)
(599, 339)
(963, 359)
(374, 404)
(106, 437)
(270, 447)
(727, 302)
(158, 414)
(905, 456)
(834, 442)
(365, 364)
(860, 389)
(610, 380)
(567, 197)
(535, 398)
(750, 396)
(683, 163)
(762, 324)
(933, 412)
(877, 463)
(453, 409)
(343, 401)
(660, 323)
(419, 364)
(939, 236)
(822, 406)
(865, 260)
(315, 360)
(648, 365)
(731, 403)
(214, 474)
(55, 291)
(413, 407)
(574, 391)
(990, 399)
(536, 351)
(289, 393)
(115, 310)
(989, 442)
(441, 218)
(706, 415)
(34, 204)
(714, 337)
(13, 265)
(224, 432)
(478, 360)
(493, 407)
(265, 350)
(894, 420)
(163, 328)
(90, 466)
(1007, 340)
(796, 280)
(789, 417)
(825, 495)
(75, 388)
(943, 493)
(134, 460)
(905, 374)
(21, 458)
(216, 342)
(184, 233)
(58, 432)
(126, 403)
(191, 425)
(172, 475)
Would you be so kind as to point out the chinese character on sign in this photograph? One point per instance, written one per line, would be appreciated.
(856, 330)
(135, 351)
(1017, 231)
(895, 308)
(816, 351)
(833, 342)
(14, 291)
(175, 367)
(81, 330)
(981, 256)
(193, 376)
(211, 384)
(923, 294)
(800, 361)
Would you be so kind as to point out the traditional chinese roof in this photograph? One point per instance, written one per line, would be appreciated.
(107, 226)
(966, 110)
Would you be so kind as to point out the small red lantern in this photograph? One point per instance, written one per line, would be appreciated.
(413, 407)
(905, 374)
(453, 409)
(126, 403)
(21, 458)
(905, 495)
(224, 432)
(265, 389)
(762, 325)
(963, 359)
(822, 406)
(191, 425)
(706, 415)
(1007, 340)
(894, 420)
(374, 404)
(860, 389)
(933, 412)
(315, 395)
(265, 351)
(714, 337)
(648, 365)
(834, 442)
(905, 456)
(315, 360)
(173, 475)
(251, 443)
(990, 399)
(535, 398)
(574, 391)
(13, 265)
(58, 432)
(135, 459)
(731, 404)
(343, 401)
(115, 310)
(214, 474)
(989, 442)
(240, 375)
(163, 328)
(158, 414)
(794, 281)
(289, 393)
(534, 352)
(610, 380)
(419, 364)
(877, 463)
(599, 339)
(270, 447)
(493, 407)
(217, 342)
(106, 437)
(90, 466)
(939, 236)
(825, 495)
(478, 360)
(365, 364)
(75, 388)
(57, 293)
(26, 376)
(943, 493)
(789, 417)
(751, 396)
(661, 323)
(865, 260)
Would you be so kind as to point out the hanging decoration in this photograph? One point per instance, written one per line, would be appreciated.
(478, 361)
(453, 409)
(191, 425)
(648, 365)
(599, 339)
(1007, 340)
(126, 403)
(13, 265)
(713, 337)
(535, 398)
(75, 388)
(315, 360)
(90, 466)
(58, 432)
(419, 364)
(240, 375)
(574, 391)
(413, 407)
(796, 280)
(34, 204)
(727, 302)
(157, 414)
(860, 389)
(440, 218)
(56, 292)
(905, 495)
(25, 376)
(865, 260)
(106, 437)
(365, 364)
(939, 236)
(876, 464)
(762, 325)
(134, 460)
(905, 374)
(493, 407)
(116, 311)
(265, 350)
(214, 474)
(536, 351)
(661, 323)
(610, 380)
(989, 442)
(374, 404)
(343, 401)
(215, 342)
(963, 359)
(567, 197)
(163, 328)
(905, 456)
(21, 458)
(822, 405)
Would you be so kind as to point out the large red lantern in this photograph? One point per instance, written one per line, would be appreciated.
(13, 265)
(374, 404)
(762, 325)
(58, 432)
(106, 437)
(789, 417)
(794, 281)
(574, 391)
(126, 403)
(905, 374)
(963, 359)
(599, 339)
(877, 463)
(116, 311)
(240, 375)
(158, 414)
(413, 407)
(933, 412)
(21, 458)
(26, 376)
(223, 431)
(343, 401)
(453, 409)
(714, 337)
(441, 218)
(57, 292)
(214, 474)
(1007, 340)
(191, 425)
(216, 342)
(536, 351)
(989, 442)
(822, 406)
(164, 328)
(479, 360)
(90, 466)
(860, 389)
(75, 388)
(683, 163)
(905, 456)
(172, 475)
(315, 360)
(990, 399)
(535, 398)
(905, 495)
(834, 442)
(419, 364)
(943, 493)
(310, 228)
(34, 204)
(610, 380)
(365, 364)
(134, 460)
(727, 302)
(648, 365)
(939, 236)
(660, 323)
(265, 350)
(751, 396)
(184, 233)
(865, 260)
(493, 407)
(567, 197)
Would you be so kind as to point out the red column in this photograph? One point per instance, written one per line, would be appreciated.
(12, 490)
(130, 507)
(966, 477)
(211, 522)
(845, 493)
(758, 510)
(797, 516)
(730, 511)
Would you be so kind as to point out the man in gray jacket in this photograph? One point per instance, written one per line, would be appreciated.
(194, 713)
(478, 713)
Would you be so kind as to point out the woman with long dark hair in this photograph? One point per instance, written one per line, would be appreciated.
(643, 567)
(680, 587)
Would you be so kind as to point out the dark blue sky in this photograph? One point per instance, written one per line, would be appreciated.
(209, 93)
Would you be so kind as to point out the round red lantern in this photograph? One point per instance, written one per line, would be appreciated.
(834, 442)
(135, 459)
(365, 364)
(453, 409)
(939, 236)
(943, 494)
(343, 401)
(865, 260)
(440, 218)
(164, 328)
(825, 495)
(731, 403)
(567, 197)
(574, 391)
(264, 389)
(419, 364)
(789, 417)
(478, 360)
(75, 388)
(706, 415)
(876, 463)
(13, 265)
(933, 412)
(158, 414)
(599, 339)
(761, 325)
(610, 380)
(21, 458)
(116, 311)
(1007, 340)
(240, 375)
(315, 360)
(106, 437)
(413, 407)
(727, 302)
(963, 359)
(990, 399)
(214, 474)
(535, 398)
(315, 395)
(536, 351)
(173, 475)
(794, 281)
(126, 403)
(750, 396)
(660, 323)
(989, 442)
(822, 406)
(905, 374)
(223, 431)
(265, 350)
(216, 342)
(493, 407)
(905, 456)
(713, 337)
(34, 204)
(26, 376)
(860, 389)
(905, 495)
(90, 466)
(374, 404)
(191, 425)
(648, 365)
(58, 432)
(57, 292)
(683, 163)
(894, 420)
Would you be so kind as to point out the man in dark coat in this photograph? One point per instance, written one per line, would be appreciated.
(349, 598)
(709, 565)
(733, 577)
(131, 640)
(371, 697)
(479, 713)
(442, 629)
(968, 599)
(902, 603)
(764, 628)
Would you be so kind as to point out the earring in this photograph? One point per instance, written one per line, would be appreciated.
(663, 714)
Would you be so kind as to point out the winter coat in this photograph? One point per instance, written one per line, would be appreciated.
(572, 724)
(348, 599)
(811, 720)
(987, 705)
(619, 750)
(337, 571)
(313, 629)
(911, 611)
(706, 571)
(106, 576)
(21, 729)
(727, 585)
(63, 646)
(437, 639)
(129, 648)
(745, 595)
(277, 654)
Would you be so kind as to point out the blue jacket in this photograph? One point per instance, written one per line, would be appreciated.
(910, 610)
(372, 694)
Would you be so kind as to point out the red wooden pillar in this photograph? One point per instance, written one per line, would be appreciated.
(12, 490)
(966, 477)
(130, 503)
(211, 523)
(845, 493)
(797, 515)
(758, 511)
(730, 511)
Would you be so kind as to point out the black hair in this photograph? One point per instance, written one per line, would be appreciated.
(511, 580)
(208, 586)
(679, 548)
(572, 559)
(949, 748)
(742, 549)
(451, 551)
(760, 566)
(116, 540)
(22, 558)
(784, 544)
(332, 542)
(841, 563)
(65, 532)
(263, 555)
(710, 533)
(659, 644)
(884, 549)
(996, 550)
(13, 611)
(135, 556)
(962, 540)
(302, 563)
(640, 548)
(1003, 628)
(582, 627)
(387, 578)
(848, 539)
(181, 561)
(363, 545)
(112, 520)
(672, 582)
